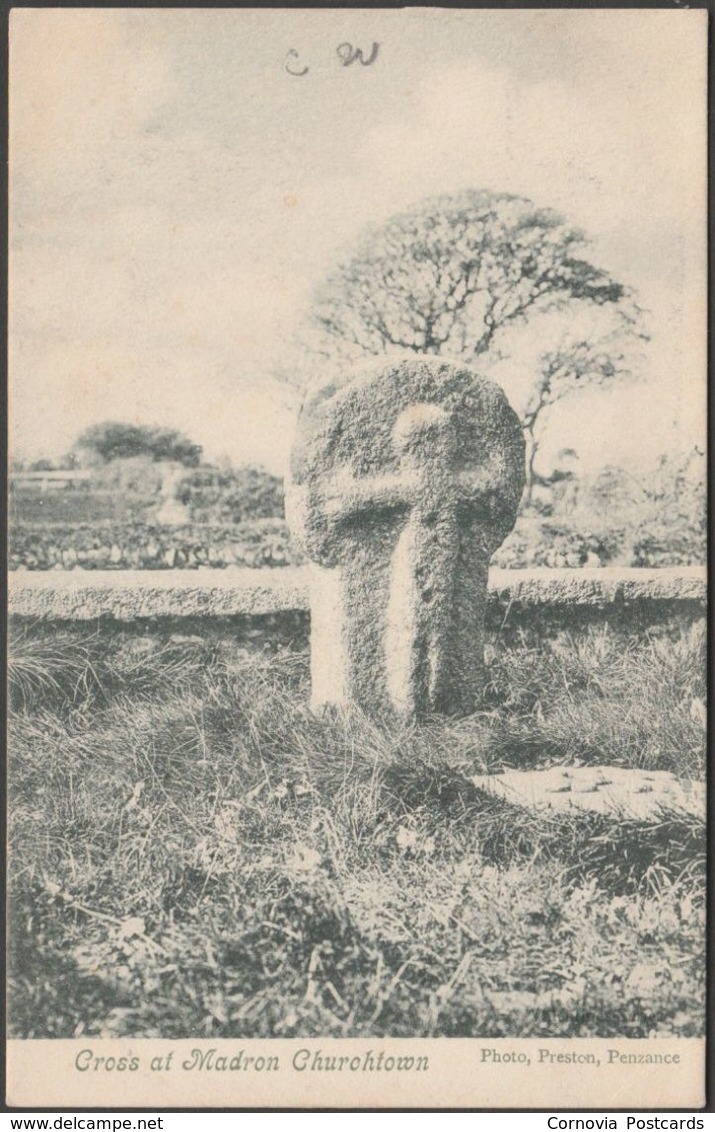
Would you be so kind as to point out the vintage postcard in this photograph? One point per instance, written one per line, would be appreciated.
(357, 558)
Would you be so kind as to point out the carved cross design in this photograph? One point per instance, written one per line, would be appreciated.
(424, 565)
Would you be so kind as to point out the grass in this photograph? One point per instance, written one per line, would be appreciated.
(194, 854)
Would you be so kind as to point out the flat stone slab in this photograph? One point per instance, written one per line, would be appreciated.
(645, 795)
(608, 585)
(131, 595)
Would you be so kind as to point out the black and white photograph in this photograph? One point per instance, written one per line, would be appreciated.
(357, 557)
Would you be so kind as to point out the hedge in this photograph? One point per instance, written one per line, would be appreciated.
(145, 546)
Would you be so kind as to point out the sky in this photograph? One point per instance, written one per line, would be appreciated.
(176, 196)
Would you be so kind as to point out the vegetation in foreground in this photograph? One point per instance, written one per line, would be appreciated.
(194, 854)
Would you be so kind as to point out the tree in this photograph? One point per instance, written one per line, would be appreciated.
(451, 276)
(115, 440)
(662, 508)
(562, 370)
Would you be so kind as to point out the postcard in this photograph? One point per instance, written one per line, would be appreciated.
(357, 538)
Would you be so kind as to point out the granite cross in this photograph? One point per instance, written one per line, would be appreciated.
(400, 502)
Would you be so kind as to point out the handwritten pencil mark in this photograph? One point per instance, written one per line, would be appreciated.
(349, 54)
(293, 59)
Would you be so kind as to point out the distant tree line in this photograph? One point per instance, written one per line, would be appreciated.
(117, 440)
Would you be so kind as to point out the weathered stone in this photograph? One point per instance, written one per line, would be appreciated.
(405, 478)
(643, 795)
(617, 586)
(129, 595)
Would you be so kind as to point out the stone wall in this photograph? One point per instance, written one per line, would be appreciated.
(546, 595)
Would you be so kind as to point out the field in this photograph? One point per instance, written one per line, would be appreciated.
(193, 853)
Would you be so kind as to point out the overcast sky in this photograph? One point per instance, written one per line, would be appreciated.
(176, 195)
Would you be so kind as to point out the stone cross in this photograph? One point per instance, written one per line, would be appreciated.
(405, 478)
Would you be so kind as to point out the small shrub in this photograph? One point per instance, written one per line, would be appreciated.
(231, 495)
